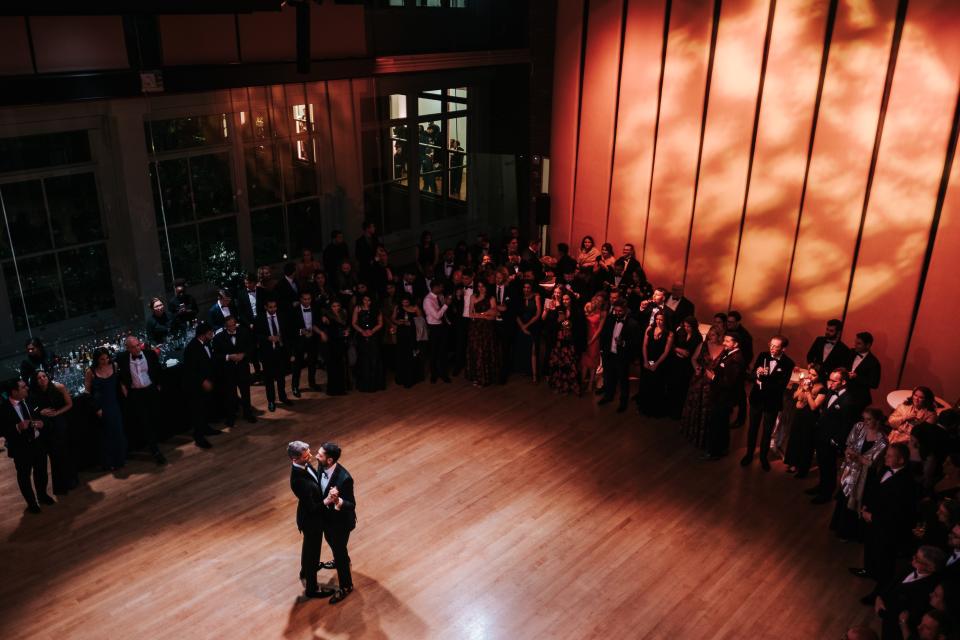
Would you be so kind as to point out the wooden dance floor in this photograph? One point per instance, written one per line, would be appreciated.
(506, 512)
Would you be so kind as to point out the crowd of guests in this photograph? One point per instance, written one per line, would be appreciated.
(584, 322)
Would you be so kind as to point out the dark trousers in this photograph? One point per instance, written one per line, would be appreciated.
(337, 539)
(197, 400)
(616, 375)
(143, 412)
(460, 350)
(759, 415)
(235, 379)
(879, 555)
(32, 461)
(505, 331)
(274, 368)
(438, 334)
(310, 558)
(304, 356)
(718, 429)
(742, 406)
(827, 462)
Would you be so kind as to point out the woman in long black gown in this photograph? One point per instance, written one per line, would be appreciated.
(527, 340)
(337, 328)
(679, 365)
(367, 323)
(52, 401)
(807, 398)
(657, 345)
(409, 369)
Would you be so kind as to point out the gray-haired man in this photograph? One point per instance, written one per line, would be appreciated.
(305, 484)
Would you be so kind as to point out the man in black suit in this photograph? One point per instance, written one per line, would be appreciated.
(287, 291)
(335, 253)
(628, 260)
(735, 326)
(232, 349)
(620, 341)
(198, 375)
(460, 309)
(726, 381)
(911, 593)
(20, 427)
(250, 302)
(182, 305)
(565, 264)
(140, 374)
(656, 305)
(680, 307)
(828, 350)
(220, 309)
(272, 333)
(864, 369)
(305, 484)
(837, 416)
(366, 245)
(771, 374)
(306, 336)
(506, 298)
(340, 518)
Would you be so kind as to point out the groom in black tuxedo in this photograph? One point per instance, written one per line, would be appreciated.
(340, 517)
(305, 483)
(771, 374)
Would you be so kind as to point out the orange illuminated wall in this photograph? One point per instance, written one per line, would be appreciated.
(793, 159)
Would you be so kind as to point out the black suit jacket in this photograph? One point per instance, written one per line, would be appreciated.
(630, 342)
(906, 596)
(685, 309)
(768, 390)
(262, 332)
(837, 419)
(310, 507)
(154, 370)
(644, 316)
(629, 266)
(243, 309)
(892, 504)
(18, 442)
(344, 519)
(868, 377)
(215, 315)
(224, 346)
(839, 356)
(197, 365)
(727, 383)
(296, 325)
(286, 295)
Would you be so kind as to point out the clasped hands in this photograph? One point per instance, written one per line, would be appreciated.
(23, 425)
(333, 498)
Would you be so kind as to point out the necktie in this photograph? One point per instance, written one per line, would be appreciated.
(273, 325)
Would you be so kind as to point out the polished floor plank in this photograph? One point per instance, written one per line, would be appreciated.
(505, 512)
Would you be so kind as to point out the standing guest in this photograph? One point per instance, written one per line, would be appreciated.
(865, 445)
(771, 375)
(483, 353)
(638, 290)
(562, 375)
(933, 625)
(160, 324)
(335, 253)
(101, 382)
(693, 420)
(198, 375)
(367, 324)
(306, 268)
(182, 305)
(346, 284)
(620, 343)
(448, 265)
(378, 273)
(719, 322)
(388, 308)
(607, 259)
(305, 484)
(828, 350)
(306, 335)
(594, 316)
(340, 518)
(456, 168)
(864, 368)
(550, 327)
(565, 263)
(21, 430)
(587, 258)
(808, 398)
(271, 330)
(686, 340)
(654, 306)
(232, 351)
(838, 413)
(527, 342)
(409, 370)
(287, 291)
(630, 264)
(250, 302)
(366, 245)
(220, 309)
(336, 325)
(919, 408)
(435, 306)
(726, 379)
(462, 310)
(680, 306)
(51, 401)
(657, 346)
(37, 359)
(320, 288)
(531, 258)
(428, 253)
(734, 325)
(265, 277)
(140, 374)
(505, 299)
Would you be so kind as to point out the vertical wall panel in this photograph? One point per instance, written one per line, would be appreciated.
(726, 152)
(847, 127)
(786, 114)
(566, 97)
(906, 181)
(601, 67)
(630, 186)
(681, 115)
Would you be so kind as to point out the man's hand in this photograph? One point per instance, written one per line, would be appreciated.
(23, 425)
(867, 516)
(49, 413)
(207, 386)
(235, 357)
(879, 605)
(710, 373)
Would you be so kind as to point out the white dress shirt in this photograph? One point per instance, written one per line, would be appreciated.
(139, 372)
(252, 296)
(307, 313)
(617, 328)
(467, 301)
(835, 397)
(433, 309)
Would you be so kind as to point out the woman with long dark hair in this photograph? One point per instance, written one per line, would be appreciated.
(679, 364)
(367, 323)
(527, 343)
(52, 401)
(919, 408)
(657, 345)
(102, 383)
(483, 352)
(409, 367)
(336, 324)
(587, 258)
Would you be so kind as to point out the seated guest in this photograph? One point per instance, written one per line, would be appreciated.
(232, 352)
(52, 401)
(828, 350)
(865, 445)
(101, 382)
(160, 324)
(657, 346)
(37, 359)
(20, 428)
(220, 309)
(864, 369)
(140, 375)
(911, 593)
(198, 383)
(919, 408)
(771, 374)
(182, 305)
(587, 258)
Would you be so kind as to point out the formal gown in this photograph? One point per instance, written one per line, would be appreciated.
(369, 370)
(483, 352)
(336, 358)
(113, 442)
(802, 441)
(525, 344)
(408, 365)
(845, 522)
(56, 437)
(563, 375)
(590, 359)
(680, 371)
(653, 383)
(693, 419)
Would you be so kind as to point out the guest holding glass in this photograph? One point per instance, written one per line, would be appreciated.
(594, 316)
(657, 346)
(51, 401)
(807, 399)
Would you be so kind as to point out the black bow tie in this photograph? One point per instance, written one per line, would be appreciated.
(306, 309)
(830, 341)
(137, 357)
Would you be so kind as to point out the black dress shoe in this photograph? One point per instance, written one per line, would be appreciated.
(341, 593)
(820, 500)
(287, 402)
(271, 406)
(765, 464)
(812, 491)
(250, 418)
(33, 508)
(202, 442)
(330, 564)
(322, 593)
(860, 572)
(296, 393)
(45, 499)
(745, 461)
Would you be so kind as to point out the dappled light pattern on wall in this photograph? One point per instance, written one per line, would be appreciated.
(823, 228)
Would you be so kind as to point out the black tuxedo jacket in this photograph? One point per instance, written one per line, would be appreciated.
(727, 383)
(18, 442)
(685, 309)
(629, 266)
(296, 324)
(224, 346)
(768, 390)
(839, 356)
(837, 419)
(154, 370)
(243, 309)
(262, 332)
(630, 342)
(197, 365)
(310, 507)
(906, 596)
(868, 377)
(215, 315)
(344, 519)
(892, 504)
(285, 294)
